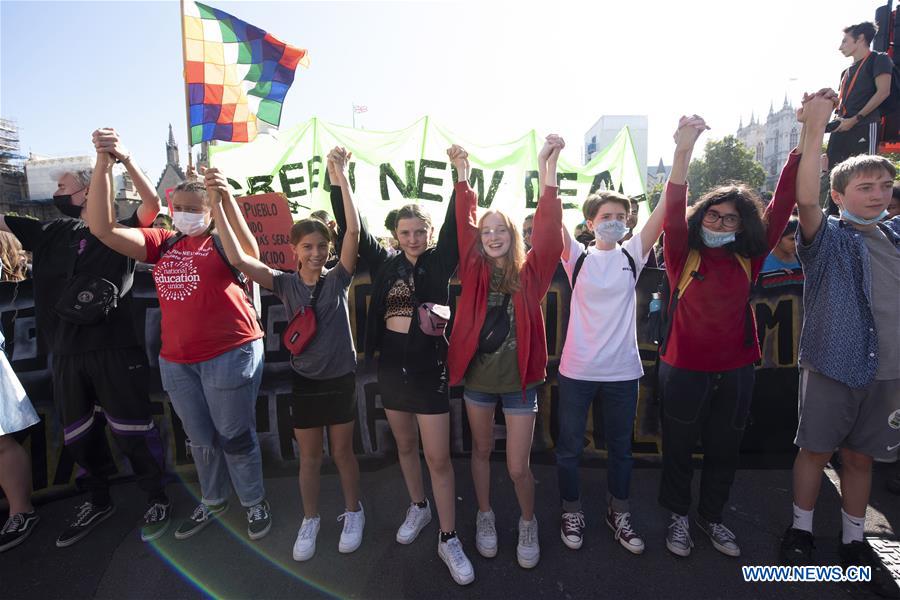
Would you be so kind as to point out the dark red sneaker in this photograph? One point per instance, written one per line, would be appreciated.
(571, 529)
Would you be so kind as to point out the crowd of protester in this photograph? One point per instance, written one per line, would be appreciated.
(714, 250)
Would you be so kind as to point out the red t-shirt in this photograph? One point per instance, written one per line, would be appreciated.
(205, 312)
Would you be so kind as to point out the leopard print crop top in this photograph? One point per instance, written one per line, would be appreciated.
(399, 300)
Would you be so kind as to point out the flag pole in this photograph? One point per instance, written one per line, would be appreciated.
(187, 100)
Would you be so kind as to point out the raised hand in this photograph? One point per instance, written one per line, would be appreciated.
(106, 139)
(688, 131)
(459, 158)
(338, 159)
(816, 108)
(191, 173)
(552, 147)
(216, 184)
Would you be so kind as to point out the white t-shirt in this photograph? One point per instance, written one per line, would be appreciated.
(601, 339)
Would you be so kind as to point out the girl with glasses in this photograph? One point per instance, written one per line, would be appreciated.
(713, 254)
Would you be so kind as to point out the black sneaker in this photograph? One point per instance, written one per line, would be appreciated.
(156, 521)
(893, 484)
(861, 554)
(259, 520)
(796, 548)
(202, 516)
(89, 515)
(18, 527)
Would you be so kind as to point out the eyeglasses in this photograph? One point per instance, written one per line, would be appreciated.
(729, 221)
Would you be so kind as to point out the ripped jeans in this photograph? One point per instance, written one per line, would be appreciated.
(216, 402)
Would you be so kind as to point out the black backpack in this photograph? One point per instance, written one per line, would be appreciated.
(583, 256)
(892, 102)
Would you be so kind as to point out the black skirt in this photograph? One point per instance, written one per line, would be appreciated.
(322, 402)
(414, 382)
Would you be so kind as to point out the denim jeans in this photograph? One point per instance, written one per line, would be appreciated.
(216, 402)
(712, 407)
(513, 403)
(618, 401)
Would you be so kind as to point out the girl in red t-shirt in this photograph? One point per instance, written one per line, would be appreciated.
(211, 359)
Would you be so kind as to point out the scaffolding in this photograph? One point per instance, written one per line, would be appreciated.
(10, 151)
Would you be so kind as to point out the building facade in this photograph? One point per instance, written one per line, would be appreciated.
(605, 130)
(772, 141)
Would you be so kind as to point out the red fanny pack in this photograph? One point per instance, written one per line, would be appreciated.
(302, 328)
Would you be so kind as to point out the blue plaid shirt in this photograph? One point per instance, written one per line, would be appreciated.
(839, 337)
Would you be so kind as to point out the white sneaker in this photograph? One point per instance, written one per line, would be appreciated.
(351, 536)
(451, 552)
(528, 552)
(416, 519)
(305, 546)
(485, 534)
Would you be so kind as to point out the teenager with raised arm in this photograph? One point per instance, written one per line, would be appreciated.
(849, 350)
(412, 374)
(211, 359)
(498, 347)
(600, 354)
(713, 253)
(324, 373)
(95, 362)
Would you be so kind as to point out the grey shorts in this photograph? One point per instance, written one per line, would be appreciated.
(833, 415)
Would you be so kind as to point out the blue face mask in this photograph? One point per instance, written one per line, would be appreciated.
(716, 239)
(849, 216)
(610, 231)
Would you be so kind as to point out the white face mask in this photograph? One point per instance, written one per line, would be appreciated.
(190, 223)
(610, 231)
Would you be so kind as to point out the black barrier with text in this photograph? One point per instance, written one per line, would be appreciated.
(777, 301)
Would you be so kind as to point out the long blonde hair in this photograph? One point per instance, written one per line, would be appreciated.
(11, 253)
(515, 256)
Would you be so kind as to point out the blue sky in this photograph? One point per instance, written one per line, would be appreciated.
(489, 71)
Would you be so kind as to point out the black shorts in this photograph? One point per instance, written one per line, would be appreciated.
(322, 402)
(416, 384)
(861, 139)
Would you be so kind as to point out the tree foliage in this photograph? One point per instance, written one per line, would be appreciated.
(726, 161)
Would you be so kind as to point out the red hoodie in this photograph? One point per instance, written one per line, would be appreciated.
(535, 279)
(708, 328)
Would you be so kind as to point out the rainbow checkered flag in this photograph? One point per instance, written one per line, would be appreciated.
(237, 75)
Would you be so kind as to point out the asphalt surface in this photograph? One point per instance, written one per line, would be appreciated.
(112, 562)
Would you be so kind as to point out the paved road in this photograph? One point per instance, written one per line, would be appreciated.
(113, 563)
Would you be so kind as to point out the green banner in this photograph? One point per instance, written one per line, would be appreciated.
(390, 169)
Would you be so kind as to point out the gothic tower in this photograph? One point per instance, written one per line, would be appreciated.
(171, 149)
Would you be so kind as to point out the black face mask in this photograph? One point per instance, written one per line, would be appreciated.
(63, 202)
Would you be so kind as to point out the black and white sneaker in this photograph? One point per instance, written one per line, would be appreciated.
(156, 521)
(202, 516)
(861, 554)
(18, 527)
(722, 538)
(259, 520)
(89, 515)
